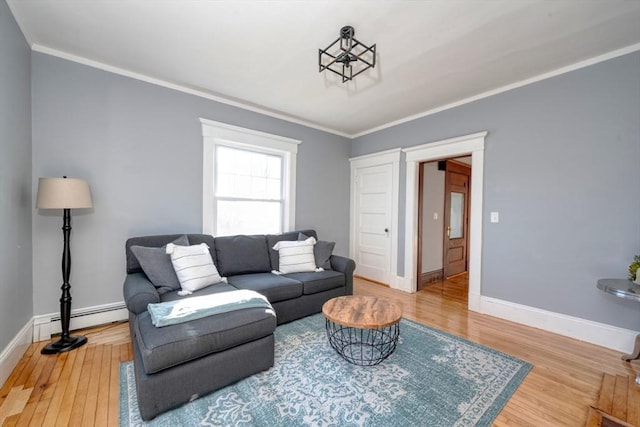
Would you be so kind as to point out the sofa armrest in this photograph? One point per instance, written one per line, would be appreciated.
(138, 292)
(344, 265)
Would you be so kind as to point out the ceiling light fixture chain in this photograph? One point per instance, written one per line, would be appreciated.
(347, 56)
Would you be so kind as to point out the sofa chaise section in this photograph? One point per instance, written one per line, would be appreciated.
(177, 363)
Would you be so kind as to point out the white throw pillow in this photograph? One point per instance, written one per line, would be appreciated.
(296, 256)
(194, 266)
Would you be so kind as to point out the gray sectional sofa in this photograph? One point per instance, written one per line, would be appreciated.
(177, 363)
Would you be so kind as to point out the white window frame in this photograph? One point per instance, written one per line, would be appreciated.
(217, 133)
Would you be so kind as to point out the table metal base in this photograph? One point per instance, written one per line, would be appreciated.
(364, 347)
(635, 355)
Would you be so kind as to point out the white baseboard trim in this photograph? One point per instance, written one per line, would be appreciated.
(402, 284)
(45, 325)
(601, 334)
(474, 302)
(13, 352)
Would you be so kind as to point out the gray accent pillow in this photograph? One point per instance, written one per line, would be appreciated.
(156, 264)
(322, 251)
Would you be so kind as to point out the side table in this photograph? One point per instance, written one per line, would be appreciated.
(364, 330)
(626, 289)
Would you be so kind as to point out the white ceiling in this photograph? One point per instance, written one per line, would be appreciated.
(264, 54)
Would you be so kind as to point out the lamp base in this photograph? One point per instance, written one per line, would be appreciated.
(65, 344)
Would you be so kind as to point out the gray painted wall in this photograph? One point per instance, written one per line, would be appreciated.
(140, 148)
(16, 291)
(562, 168)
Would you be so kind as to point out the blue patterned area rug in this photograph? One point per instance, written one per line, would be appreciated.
(432, 379)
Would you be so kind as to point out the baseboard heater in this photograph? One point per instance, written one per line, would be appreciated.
(46, 325)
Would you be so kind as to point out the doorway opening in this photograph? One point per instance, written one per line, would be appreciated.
(454, 147)
(444, 190)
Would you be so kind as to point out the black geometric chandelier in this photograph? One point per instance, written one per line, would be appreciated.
(347, 56)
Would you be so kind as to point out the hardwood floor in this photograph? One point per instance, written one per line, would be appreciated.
(618, 404)
(566, 375)
(80, 388)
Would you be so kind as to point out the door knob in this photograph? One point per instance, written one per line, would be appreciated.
(386, 230)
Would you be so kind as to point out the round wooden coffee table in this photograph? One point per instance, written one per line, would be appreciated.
(363, 330)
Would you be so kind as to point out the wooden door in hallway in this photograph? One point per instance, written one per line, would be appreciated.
(456, 218)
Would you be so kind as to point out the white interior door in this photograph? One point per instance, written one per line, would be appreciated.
(373, 216)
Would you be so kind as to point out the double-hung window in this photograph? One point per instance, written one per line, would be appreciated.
(249, 181)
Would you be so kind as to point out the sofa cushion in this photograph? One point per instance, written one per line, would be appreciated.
(172, 345)
(156, 264)
(272, 239)
(272, 286)
(320, 281)
(174, 312)
(242, 255)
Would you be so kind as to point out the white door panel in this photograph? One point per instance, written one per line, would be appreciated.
(371, 240)
(373, 202)
(373, 221)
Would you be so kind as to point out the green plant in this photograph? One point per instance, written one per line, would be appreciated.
(633, 267)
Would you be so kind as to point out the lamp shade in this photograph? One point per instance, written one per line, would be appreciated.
(63, 193)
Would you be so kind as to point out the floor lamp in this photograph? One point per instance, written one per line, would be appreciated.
(66, 194)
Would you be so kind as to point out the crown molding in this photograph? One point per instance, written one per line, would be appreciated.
(245, 106)
(540, 77)
(185, 89)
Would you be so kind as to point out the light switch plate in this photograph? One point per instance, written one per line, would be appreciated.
(495, 217)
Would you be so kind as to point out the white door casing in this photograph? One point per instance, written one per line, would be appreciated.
(373, 239)
(469, 144)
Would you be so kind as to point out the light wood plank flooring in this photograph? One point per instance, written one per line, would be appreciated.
(81, 387)
(618, 403)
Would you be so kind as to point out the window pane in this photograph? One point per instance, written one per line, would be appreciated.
(258, 188)
(248, 218)
(274, 167)
(248, 174)
(243, 186)
(258, 164)
(225, 159)
(274, 189)
(242, 162)
(456, 215)
(225, 185)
